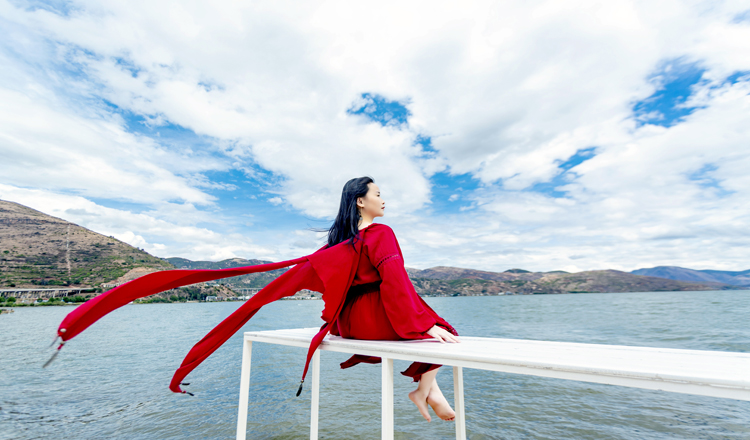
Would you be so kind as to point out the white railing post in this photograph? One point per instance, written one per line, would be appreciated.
(458, 401)
(247, 351)
(315, 400)
(387, 398)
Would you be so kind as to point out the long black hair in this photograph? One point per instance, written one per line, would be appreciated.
(346, 224)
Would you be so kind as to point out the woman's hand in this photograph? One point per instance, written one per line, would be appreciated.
(442, 334)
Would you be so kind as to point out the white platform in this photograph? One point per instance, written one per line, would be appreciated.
(707, 373)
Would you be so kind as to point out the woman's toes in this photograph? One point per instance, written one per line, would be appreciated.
(441, 407)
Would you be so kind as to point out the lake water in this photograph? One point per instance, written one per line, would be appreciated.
(111, 381)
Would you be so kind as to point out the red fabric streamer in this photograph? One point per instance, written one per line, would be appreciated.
(329, 270)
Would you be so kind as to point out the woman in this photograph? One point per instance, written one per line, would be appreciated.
(360, 272)
(381, 303)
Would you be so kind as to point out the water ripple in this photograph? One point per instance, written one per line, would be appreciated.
(111, 381)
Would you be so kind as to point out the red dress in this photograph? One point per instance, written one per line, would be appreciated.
(366, 293)
(381, 303)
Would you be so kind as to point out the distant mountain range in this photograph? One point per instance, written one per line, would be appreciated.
(252, 280)
(453, 281)
(184, 263)
(40, 250)
(699, 276)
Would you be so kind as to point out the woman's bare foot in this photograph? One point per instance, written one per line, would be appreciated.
(440, 405)
(420, 399)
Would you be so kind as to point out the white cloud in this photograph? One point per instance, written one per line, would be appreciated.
(141, 230)
(51, 148)
(506, 91)
(634, 205)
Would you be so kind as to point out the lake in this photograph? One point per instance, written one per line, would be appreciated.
(112, 380)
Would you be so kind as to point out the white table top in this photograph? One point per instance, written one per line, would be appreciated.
(711, 373)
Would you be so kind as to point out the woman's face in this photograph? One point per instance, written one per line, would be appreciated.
(371, 205)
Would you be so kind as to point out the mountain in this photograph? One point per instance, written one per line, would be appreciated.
(37, 249)
(616, 281)
(456, 273)
(702, 276)
(184, 263)
(253, 280)
(456, 281)
(452, 281)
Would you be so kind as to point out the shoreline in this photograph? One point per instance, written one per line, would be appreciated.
(8, 308)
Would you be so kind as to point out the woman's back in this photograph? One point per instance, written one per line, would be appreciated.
(366, 270)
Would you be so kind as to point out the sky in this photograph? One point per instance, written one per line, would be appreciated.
(542, 135)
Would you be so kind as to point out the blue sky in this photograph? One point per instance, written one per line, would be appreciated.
(501, 136)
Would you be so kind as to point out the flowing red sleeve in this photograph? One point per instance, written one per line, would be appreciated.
(407, 312)
(329, 270)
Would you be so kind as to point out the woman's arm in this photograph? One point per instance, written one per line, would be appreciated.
(402, 304)
(405, 309)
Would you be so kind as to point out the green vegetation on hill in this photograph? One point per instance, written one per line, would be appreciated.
(249, 281)
(40, 250)
(12, 302)
(184, 263)
(448, 281)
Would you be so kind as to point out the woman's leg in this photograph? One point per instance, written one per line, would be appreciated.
(428, 393)
(365, 318)
(439, 404)
(419, 396)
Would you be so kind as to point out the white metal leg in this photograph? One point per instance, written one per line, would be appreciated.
(458, 401)
(315, 404)
(387, 398)
(247, 351)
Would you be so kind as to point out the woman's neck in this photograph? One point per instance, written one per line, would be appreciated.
(363, 224)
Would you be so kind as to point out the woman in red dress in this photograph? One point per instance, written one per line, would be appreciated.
(381, 303)
(366, 291)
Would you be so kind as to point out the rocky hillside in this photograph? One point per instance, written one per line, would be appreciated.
(253, 280)
(617, 281)
(37, 249)
(452, 281)
(184, 263)
(740, 278)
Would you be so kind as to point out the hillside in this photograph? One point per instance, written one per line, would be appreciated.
(741, 278)
(617, 281)
(40, 250)
(455, 281)
(253, 280)
(37, 249)
(184, 263)
(452, 281)
(455, 273)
